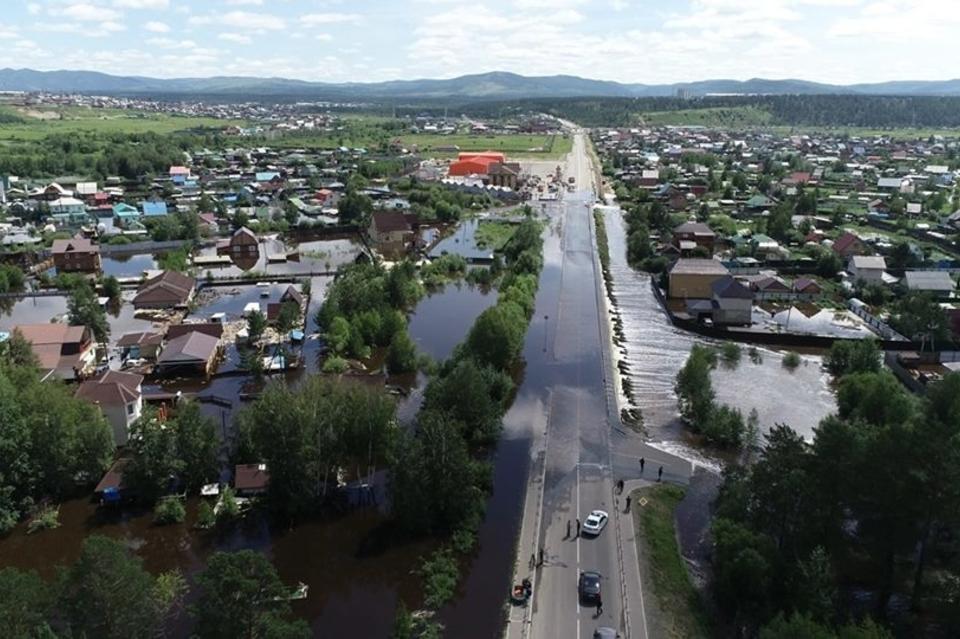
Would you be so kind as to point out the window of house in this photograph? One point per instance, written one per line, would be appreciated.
(130, 409)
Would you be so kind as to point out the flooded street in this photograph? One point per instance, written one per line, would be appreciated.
(655, 351)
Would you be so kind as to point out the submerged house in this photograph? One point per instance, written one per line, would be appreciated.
(120, 399)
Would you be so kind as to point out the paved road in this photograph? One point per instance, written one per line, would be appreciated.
(583, 450)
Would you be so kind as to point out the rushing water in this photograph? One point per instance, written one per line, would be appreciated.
(655, 351)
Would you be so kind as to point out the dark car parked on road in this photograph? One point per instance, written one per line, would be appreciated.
(589, 587)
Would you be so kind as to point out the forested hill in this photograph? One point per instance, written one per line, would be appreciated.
(786, 110)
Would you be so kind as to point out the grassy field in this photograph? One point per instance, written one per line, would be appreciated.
(683, 614)
(732, 117)
(494, 235)
(748, 117)
(35, 124)
(427, 144)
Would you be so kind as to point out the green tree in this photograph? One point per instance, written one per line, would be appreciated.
(25, 603)
(497, 335)
(402, 354)
(919, 316)
(853, 356)
(155, 461)
(256, 325)
(242, 596)
(111, 287)
(107, 593)
(84, 310)
(169, 510)
(693, 387)
(354, 207)
(196, 445)
(288, 318)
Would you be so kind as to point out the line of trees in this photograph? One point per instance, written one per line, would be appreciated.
(108, 594)
(719, 424)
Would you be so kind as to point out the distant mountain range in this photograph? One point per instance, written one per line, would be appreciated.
(485, 86)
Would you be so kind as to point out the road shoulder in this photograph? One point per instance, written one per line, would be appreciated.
(674, 607)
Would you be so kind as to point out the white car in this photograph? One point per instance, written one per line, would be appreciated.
(595, 522)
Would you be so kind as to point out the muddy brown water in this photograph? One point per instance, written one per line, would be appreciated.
(356, 568)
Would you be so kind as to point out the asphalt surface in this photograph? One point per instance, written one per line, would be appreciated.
(576, 475)
(582, 450)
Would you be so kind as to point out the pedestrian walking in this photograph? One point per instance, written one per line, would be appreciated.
(628, 503)
(620, 487)
(642, 462)
(568, 530)
(541, 555)
(599, 607)
(578, 526)
(660, 474)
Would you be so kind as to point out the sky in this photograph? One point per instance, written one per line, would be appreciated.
(636, 41)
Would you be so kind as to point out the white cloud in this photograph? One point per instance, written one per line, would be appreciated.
(246, 20)
(33, 8)
(245, 3)
(86, 12)
(234, 37)
(323, 37)
(315, 19)
(156, 27)
(142, 4)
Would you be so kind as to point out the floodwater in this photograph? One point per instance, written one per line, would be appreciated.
(32, 310)
(129, 265)
(315, 256)
(655, 351)
(463, 242)
(443, 318)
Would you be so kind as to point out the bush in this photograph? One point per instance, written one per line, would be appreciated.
(730, 354)
(791, 360)
(402, 354)
(205, 516)
(47, 519)
(440, 573)
(229, 508)
(334, 365)
(169, 510)
(846, 357)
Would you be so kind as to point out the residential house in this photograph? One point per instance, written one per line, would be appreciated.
(76, 255)
(68, 211)
(732, 302)
(193, 352)
(251, 479)
(867, 268)
(290, 296)
(141, 345)
(120, 398)
(167, 290)
(937, 282)
(694, 278)
(759, 202)
(390, 230)
(154, 208)
(243, 248)
(690, 235)
(848, 245)
(894, 184)
(179, 174)
(807, 289)
(769, 287)
(67, 351)
(124, 214)
(214, 329)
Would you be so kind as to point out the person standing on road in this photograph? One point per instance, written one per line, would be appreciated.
(599, 606)
(628, 503)
(660, 474)
(642, 462)
(578, 526)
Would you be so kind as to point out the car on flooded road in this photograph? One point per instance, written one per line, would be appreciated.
(595, 522)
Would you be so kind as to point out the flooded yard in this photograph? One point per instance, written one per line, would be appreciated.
(463, 242)
(311, 256)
